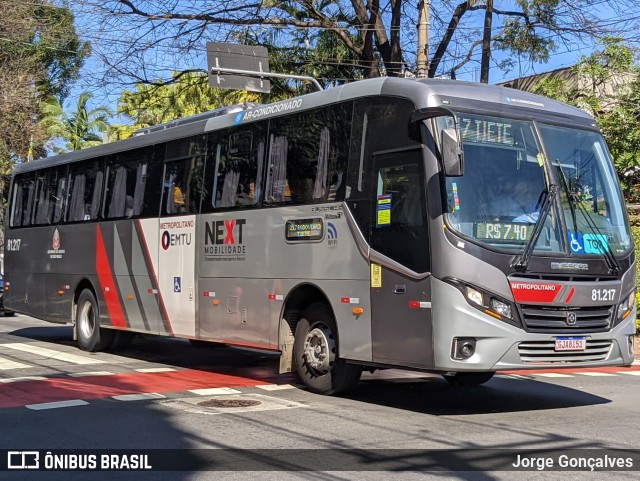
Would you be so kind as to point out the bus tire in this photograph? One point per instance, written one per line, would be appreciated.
(91, 337)
(316, 353)
(468, 379)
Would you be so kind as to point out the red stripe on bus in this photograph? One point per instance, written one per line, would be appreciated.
(154, 278)
(570, 296)
(107, 283)
(535, 291)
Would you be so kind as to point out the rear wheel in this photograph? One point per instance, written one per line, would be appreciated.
(316, 353)
(468, 379)
(90, 336)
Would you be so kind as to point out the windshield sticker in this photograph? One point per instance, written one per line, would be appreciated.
(456, 199)
(384, 210)
(540, 158)
(595, 244)
(576, 243)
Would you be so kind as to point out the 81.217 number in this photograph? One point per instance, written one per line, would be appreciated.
(603, 294)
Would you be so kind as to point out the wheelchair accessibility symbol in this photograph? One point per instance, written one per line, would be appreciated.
(576, 243)
(177, 284)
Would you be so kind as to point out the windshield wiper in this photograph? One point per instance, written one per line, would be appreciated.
(521, 262)
(570, 197)
(610, 259)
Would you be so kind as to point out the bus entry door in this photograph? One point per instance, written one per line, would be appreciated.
(400, 295)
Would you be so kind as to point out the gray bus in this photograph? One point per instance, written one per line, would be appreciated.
(434, 225)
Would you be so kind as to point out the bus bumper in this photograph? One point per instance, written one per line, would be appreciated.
(501, 346)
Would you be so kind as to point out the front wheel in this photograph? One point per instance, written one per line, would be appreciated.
(468, 379)
(90, 336)
(316, 353)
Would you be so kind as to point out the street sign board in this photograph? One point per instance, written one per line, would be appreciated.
(251, 59)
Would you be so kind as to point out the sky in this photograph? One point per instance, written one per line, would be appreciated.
(566, 55)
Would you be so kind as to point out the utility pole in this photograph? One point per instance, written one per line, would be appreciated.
(486, 43)
(423, 38)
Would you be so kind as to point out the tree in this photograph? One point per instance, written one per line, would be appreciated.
(187, 94)
(607, 85)
(139, 39)
(40, 55)
(79, 130)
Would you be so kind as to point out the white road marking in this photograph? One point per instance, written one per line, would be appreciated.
(630, 373)
(553, 374)
(214, 391)
(514, 376)
(596, 374)
(90, 373)
(156, 369)
(57, 404)
(24, 378)
(275, 387)
(139, 397)
(6, 364)
(52, 354)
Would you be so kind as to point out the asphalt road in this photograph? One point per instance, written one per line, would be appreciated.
(165, 394)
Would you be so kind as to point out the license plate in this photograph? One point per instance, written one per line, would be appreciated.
(571, 343)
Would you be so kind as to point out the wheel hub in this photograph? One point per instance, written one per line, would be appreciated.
(319, 349)
(86, 320)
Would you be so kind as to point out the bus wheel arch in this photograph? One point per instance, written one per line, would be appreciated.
(298, 299)
(90, 336)
(316, 352)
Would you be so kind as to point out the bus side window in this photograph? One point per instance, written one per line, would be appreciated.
(23, 193)
(308, 156)
(59, 195)
(235, 167)
(182, 186)
(85, 191)
(400, 220)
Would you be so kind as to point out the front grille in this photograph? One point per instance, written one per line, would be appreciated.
(543, 352)
(554, 319)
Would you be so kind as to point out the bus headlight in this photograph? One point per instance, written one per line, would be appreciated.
(475, 296)
(501, 308)
(626, 306)
(487, 302)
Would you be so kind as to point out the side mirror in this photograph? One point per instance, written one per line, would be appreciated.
(452, 155)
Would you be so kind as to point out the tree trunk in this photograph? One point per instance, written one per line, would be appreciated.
(486, 43)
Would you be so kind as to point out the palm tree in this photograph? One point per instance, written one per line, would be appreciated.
(79, 130)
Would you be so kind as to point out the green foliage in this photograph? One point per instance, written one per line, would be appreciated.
(56, 46)
(607, 84)
(79, 130)
(188, 94)
(40, 55)
(525, 35)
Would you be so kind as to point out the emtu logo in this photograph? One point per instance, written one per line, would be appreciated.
(332, 235)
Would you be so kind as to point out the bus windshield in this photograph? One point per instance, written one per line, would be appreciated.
(498, 200)
(591, 200)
